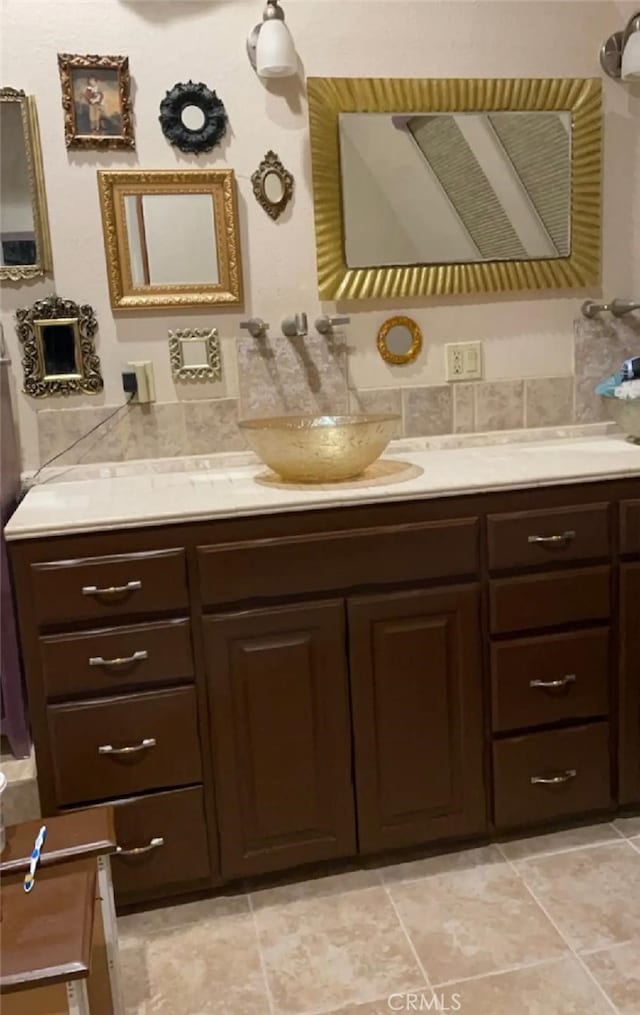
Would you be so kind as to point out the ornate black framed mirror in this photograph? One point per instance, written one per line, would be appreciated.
(272, 185)
(59, 355)
(193, 118)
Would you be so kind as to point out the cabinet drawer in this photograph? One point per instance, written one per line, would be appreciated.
(630, 526)
(83, 772)
(326, 561)
(116, 659)
(179, 863)
(96, 588)
(549, 600)
(525, 671)
(538, 538)
(577, 758)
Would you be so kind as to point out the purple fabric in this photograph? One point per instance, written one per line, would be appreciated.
(12, 696)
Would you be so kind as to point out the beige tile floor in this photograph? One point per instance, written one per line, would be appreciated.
(542, 926)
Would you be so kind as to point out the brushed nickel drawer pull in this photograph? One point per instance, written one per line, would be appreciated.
(138, 850)
(111, 590)
(122, 661)
(144, 745)
(564, 537)
(570, 678)
(553, 780)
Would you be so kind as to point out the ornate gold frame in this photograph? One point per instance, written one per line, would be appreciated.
(328, 97)
(33, 153)
(67, 63)
(272, 164)
(416, 341)
(114, 185)
(212, 371)
(31, 323)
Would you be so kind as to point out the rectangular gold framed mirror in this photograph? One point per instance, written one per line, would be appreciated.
(25, 247)
(171, 238)
(427, 187)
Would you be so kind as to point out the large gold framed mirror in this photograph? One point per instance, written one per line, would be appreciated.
(433, 187)
(25, 247)
(171, 238)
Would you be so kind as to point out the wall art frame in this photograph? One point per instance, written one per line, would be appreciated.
(98, 115)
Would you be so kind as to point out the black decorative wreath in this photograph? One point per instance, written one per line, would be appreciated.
(173, 127)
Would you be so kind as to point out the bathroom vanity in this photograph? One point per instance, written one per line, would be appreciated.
(259, 679)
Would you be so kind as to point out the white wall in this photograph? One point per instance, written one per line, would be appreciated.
(174, 41)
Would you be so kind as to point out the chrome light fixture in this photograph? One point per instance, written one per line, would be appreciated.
(270, 46)
(620, 54)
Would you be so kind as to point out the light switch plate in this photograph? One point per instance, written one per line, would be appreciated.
(464, 361)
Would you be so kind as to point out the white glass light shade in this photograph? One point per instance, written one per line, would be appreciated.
(275, 52)
(631, 58)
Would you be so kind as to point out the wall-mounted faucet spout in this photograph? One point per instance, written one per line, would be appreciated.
(295, 327)
(621, 307)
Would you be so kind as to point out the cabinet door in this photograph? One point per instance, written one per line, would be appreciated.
(281, 734)
(630, 684)
(417, 711)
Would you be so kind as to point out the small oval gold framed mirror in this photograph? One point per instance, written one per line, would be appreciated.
(272, 185)
(399, 340)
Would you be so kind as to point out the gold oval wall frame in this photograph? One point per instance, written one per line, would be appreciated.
(416, 340)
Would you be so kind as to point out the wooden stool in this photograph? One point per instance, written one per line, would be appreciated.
(81, 842)
(47, 944)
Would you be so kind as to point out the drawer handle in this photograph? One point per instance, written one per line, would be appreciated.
(144, 745)
(122, 661)
(138, 850)
(570, 678)
(112, 590)
(553, 780)
(561, 538)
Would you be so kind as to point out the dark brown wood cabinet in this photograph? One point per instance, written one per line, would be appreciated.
(416, 679)
(279, 701)
(630, 683)
(339, 681)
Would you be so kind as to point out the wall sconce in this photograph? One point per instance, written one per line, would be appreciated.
(270, 46)
(620, 54)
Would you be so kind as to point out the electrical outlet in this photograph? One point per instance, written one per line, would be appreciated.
(464, 361)
(143, 370)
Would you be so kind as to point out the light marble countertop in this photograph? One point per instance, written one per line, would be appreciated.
(141, 494)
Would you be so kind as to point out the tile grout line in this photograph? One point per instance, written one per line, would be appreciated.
(516, 968)
(407, 936)
(564, 938)
(609, 948)
(614, 840)
(263, 967)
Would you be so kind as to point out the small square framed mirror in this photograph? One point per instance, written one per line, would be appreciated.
(195, 354)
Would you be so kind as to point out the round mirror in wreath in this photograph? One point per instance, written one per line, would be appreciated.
(193, 118)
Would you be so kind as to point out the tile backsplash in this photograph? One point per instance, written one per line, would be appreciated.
(311, 375)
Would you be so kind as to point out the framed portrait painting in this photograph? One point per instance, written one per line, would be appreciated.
(96, 101)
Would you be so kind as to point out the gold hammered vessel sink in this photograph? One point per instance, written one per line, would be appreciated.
(320, 449)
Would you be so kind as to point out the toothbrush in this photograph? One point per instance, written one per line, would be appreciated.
(30, 877)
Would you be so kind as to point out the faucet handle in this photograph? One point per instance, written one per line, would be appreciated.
(256, 327)
(591, 308)
(326, 324)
